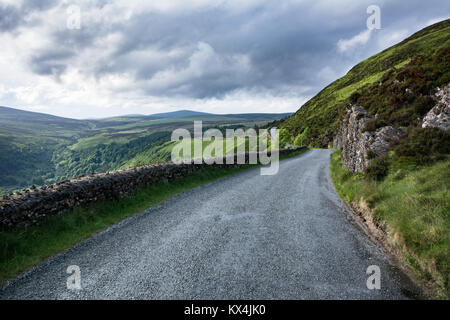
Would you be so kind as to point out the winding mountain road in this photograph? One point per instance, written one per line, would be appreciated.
(245, 236)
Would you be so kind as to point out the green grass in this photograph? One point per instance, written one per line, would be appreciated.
(412, 204)
(163, 152)
(21, 249)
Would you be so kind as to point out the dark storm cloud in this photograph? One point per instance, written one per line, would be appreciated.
(50, 62)
(278, 44)
(209, 52)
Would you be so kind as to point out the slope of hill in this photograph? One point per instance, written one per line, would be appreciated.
(37, 148)
(423, 59)
(389, 116)
(17, 115)
(20, 122)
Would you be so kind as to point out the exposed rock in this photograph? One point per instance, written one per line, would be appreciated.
(359, 146)
(439, 115)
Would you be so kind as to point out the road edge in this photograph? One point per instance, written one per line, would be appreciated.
(362, 219)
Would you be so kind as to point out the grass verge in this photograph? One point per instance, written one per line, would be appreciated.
(24, 248)
(411, 206)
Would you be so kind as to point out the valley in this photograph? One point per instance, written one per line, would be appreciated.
(39, 149)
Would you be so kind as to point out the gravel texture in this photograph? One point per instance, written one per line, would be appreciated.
(245, 236)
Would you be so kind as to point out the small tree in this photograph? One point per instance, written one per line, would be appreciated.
(298, 140)
(305, 135)
(302, 137)
(284, 137)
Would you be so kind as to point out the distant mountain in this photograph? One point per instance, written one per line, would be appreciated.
(191, 113)
(256, 116)
(20, 122)
(12, 114)
(180, 113)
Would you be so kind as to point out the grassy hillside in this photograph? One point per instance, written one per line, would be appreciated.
(420, 63)
(36, 148)
(406, 192)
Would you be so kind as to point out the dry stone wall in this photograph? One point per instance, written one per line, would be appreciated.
(31, 206)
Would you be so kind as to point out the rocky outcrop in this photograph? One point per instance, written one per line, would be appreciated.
(359, 146)
(439, 115)
(33, 205)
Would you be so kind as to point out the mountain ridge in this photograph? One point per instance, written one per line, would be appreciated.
(9, 111)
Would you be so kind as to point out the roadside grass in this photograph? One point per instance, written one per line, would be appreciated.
(22, 249)
(412, 205)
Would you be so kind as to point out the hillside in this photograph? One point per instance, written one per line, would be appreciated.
(389, 117)
(38, 149)
(422, 59)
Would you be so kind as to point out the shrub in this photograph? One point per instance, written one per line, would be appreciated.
(370, 126)
(354, 97)
(378, 169)
(284, 137)
(373, 125)
(425, 145)
(298, 140)
(301, 139)
(423, 104)
(37, 181)
(371, 154)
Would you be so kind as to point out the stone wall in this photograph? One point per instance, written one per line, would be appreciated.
(31, 206)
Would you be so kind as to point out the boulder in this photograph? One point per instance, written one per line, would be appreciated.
(439, 115)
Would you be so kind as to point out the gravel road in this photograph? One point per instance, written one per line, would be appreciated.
(245, 236)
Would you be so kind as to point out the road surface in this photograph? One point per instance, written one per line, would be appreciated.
(245, 236)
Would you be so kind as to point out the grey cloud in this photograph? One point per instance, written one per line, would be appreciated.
(272, 47)
(32, 5)
(50, 62)
(10, 18)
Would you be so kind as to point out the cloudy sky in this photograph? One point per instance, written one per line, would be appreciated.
(224, 56)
